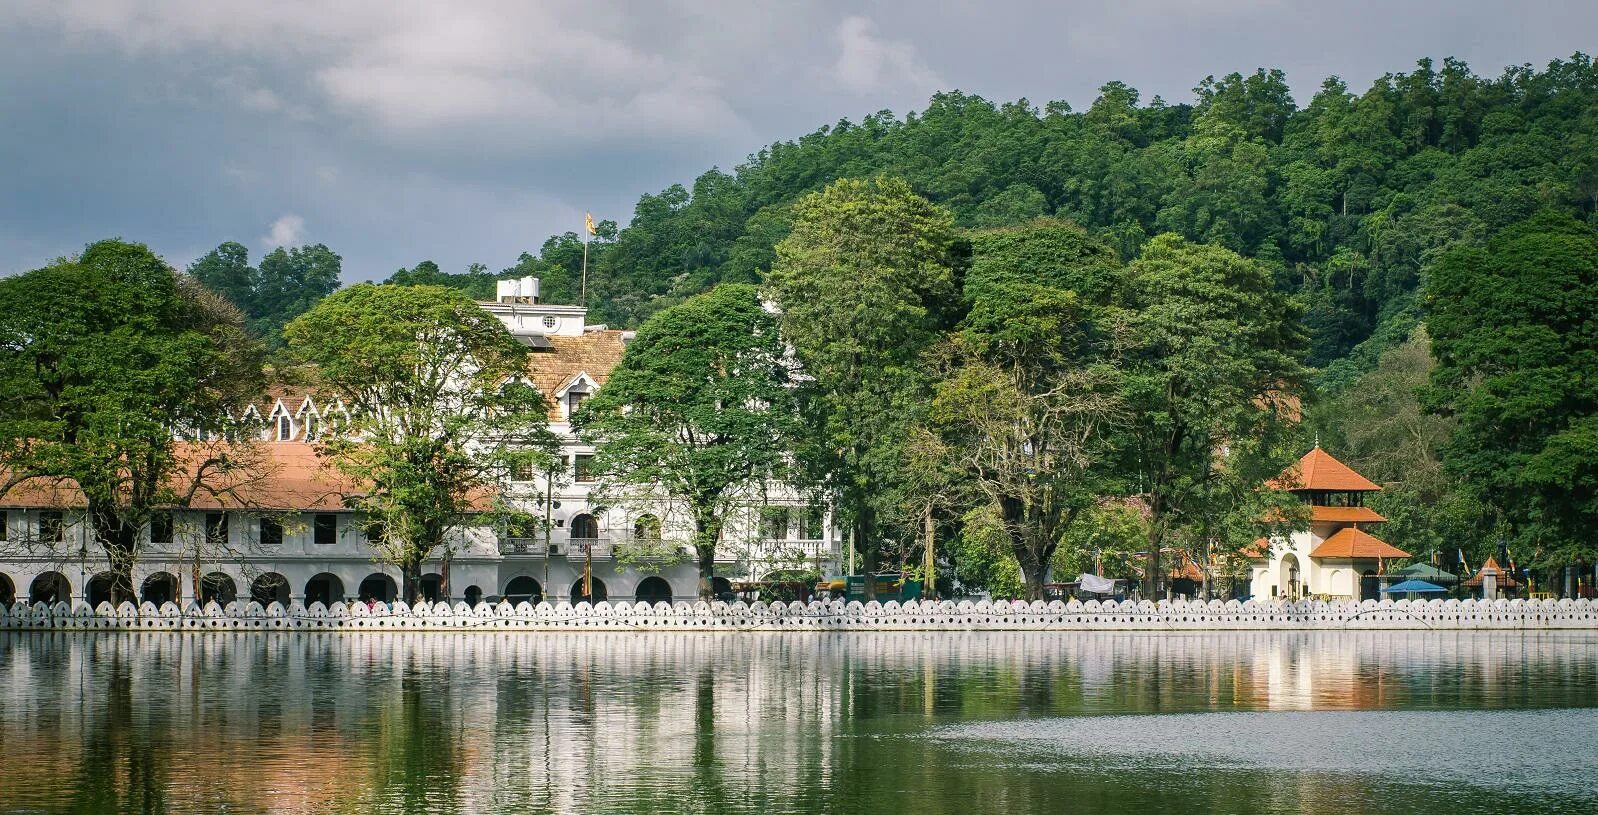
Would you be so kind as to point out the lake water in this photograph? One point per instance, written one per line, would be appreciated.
(959, 723)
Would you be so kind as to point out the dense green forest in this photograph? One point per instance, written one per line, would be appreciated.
(1346, 198)
(1351, 202)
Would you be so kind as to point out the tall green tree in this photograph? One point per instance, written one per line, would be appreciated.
(1024, 408)
(700, 413)
(287, 283)
(1212, 356)
(107, 357)
(1517, 367)
(863, 283)
(1027, 395)
(441, 414)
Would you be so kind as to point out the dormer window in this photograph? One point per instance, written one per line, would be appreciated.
(574, 400)
(312, 426)
(285, 428)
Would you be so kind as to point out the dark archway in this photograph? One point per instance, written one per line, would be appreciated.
(50, 587)
(1370, 586)
(158, 588)
(523, 589)
(473, 595)
(599, 592)
(217, 587)
(431, 587)
(270, 588)
(378, 588)
(8, 590)
(324, 588)
(653, 589)
(102, 589)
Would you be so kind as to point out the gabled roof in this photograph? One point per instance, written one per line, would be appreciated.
(1345, 515)
(1318, 470)
(1354, 543)
(1491, 567)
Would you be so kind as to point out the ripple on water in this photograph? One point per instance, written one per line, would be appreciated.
(1543, 750)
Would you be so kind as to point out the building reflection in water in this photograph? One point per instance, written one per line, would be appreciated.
(623, 722)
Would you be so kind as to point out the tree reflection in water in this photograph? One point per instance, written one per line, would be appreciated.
(807, 722)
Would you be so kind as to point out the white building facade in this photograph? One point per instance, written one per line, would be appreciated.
(296, 542)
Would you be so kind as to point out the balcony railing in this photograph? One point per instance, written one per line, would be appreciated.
(579, 548)
(522, 546)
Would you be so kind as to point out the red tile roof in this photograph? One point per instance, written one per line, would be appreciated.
(269, 476)
(1318, 470)
(1345, 515)
(1504, 581)
(594, 353)
(1354, 543)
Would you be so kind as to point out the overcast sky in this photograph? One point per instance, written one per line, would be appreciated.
(398, 131)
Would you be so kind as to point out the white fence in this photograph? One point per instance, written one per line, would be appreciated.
(817, 616)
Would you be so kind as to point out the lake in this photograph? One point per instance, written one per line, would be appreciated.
(947, 722)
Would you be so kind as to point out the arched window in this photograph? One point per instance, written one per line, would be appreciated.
(599, 591)
(647, 527)
(432, 586)
(217, 587)
(653, 589)
(523, 589)
(161, 587)
(8, 590)
(50, 587)
(324, 588)
(377, 588)
(102, 589)
(270, 588)
(584, 526)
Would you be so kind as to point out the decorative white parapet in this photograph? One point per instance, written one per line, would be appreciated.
(1131, 615)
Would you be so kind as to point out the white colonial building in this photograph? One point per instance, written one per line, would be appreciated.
(286, 536)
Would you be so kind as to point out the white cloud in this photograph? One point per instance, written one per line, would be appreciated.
(285, 231)
(868, 63)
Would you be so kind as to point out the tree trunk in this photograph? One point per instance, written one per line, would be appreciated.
(707, 530)
(1152, 576)
(120, 542)
(411, 580)
(868, 553)
(707, 572)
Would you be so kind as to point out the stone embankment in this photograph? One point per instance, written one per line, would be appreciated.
(1175, 615)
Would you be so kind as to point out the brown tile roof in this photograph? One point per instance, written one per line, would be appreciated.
(594, 353)
(270, 476)
(1318, 470)
(1345, 515)
(1352, 542)
(1260, 548)
(1491, 567)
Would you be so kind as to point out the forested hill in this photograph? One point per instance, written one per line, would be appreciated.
(1347, 197)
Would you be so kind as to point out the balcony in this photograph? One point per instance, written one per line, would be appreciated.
(530, 547)
(597, 548)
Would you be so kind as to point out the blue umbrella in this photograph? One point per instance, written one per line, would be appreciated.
(1415, 586)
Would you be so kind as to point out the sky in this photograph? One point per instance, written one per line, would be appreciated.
(461, 132)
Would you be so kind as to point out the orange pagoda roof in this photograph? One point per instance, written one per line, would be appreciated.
(1491, 567)
(1318, 470)
(1346, 515)
(1352, 542)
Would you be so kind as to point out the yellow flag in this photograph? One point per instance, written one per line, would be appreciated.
(588, 221)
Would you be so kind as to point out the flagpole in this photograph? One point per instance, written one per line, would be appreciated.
(585, 270)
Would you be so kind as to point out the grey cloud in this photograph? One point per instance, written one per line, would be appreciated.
(468, 132)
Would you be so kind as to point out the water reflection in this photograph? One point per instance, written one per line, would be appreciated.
(798, 722)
